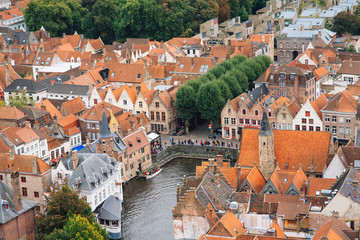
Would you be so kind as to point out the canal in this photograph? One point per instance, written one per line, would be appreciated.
(148, 204)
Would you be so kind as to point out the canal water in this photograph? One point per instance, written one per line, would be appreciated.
(148, 204)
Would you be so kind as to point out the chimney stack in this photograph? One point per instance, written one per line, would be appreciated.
(87, 138)
(17, 199)
(43, 107)
(219, 160)
(211, 165)
(12, 152)
(75, 159)
(33, 165)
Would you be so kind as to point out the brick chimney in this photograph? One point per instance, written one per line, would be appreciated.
(43, 107)
(34, 166)
(17, 199)
(296, 86)
(219, 160)
(211, 165)
(12, 152)
(75, 159)
(87, 138)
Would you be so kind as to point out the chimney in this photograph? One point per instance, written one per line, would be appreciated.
(87, 138)
(17, 199)
(211, 165)
(34, 166)
(296, 86)
(55, 119)
(138, 90)
(12, 152)
(219, 160)
(75, 158)
(43, 107)
(216, 179)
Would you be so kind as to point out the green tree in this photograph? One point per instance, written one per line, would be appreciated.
(218, 70)
(79, 228)
(204, 10)
(244, 16)
(351, 48)
(195, 84)
(234, 8)
(249, 72)
(227, 65)
(61, 204)
(237, 59)
(232, 83)
(224, 89)
(99, 21)
(20, 99)
(247, 4)
(255, 66)
(57, 16)
(241, 78)
(346, 22)
(224, 10)
(261, 63)
(186, 104)
(265, 59)
(210, 102)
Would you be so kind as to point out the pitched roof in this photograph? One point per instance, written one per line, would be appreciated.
(342, 102)
(123, 72)
(4, 80)
(332, 230)
(50, 108)
(95, 112)
(74, 106)
(289, 148)
(321, 101)
(69, 120)
(30, 86)
(256, 179)
(350, 67)
(136, 141)
(10, 113)
(69, 89)
(318, 184)
(10, 13)
(18, 135)
(228, 226)
(23, 163)
(320, 72)
(279, 231)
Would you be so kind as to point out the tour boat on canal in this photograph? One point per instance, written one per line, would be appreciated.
(152, 173)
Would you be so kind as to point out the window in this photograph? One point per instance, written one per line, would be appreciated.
(238, 35)
(284, 116)
(292, 77)
(303, 120)
(23, 179)
(163, 116)
(341, 130)
(307, 113)
(287, 45)
(281, 45)
(297, 127)
(348, 131)
(107, 222)
(36, 194)
(139, 75)
(333, 119)
(37, 208)
(229, 110)
(279, 126)
(226, 120)
(152, 115)
(303, 128)
(96, 202)
(327, 128)
(140, 104)
(311, 121)
(348, 120)
(256, 112)
(282, 84)
(204, 68)
(113, 74)
(327, 118)
(115, 223)
(125, 102)
(269, 114)
(341, 120)
(233, 122)
(282, 93)
(241, 121)
(1, 177)
(157, 104)
(253, 122)
(181, 65)
(24, 191)
(311, 128)
(333, 129)
(318, 129)
(282, 75)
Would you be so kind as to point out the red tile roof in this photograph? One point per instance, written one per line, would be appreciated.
(23, 163)
(10, 113)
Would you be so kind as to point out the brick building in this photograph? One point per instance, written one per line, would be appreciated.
(11, 117)
(17, 216)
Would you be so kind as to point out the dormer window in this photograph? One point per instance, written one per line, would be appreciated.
(292, 77)
(139, 76)
(181, 65)
(282, 75)
(113, 74)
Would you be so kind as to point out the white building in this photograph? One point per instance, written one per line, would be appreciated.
(34, 91)
(69, 91)
(13, 18)
(308, 118)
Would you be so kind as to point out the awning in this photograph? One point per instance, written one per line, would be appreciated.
(78, 148)
(55, 160)
(152, 136)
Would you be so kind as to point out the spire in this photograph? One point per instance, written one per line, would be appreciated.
(265, 129)
(104, 129)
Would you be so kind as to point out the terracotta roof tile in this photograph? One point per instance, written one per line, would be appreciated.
(136, 141)
(23, 163)
(95, 112)
(10, 113)
(289, 148)
(72, 131)
(320, 72)
(18, 135)
(50, 108)
(11, 13)
(74, 106)
(318, 184)
(255, 179)
(227, 226)
(279, 231)
(69, 120)
(332, 230)
(342, 102)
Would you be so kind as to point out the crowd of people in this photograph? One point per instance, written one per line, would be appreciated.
(156, 147)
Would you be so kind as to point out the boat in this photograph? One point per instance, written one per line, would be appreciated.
(153, 174)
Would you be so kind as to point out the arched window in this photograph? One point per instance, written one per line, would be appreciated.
(256, 112)
(244, 111)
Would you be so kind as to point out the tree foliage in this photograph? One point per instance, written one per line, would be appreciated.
(186, 105)
(61, 204)
(209, 101)
(20, 99)
(57, 16)
(346, 22)
(80, 228)
(224, 10)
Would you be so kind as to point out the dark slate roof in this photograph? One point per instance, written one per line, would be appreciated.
(69, 89)
(259, 206)
(6, 194)
(255, 95)
(22, 37)
(33, 112)
(104, 128)
(57, 79)
(110, 209)
(92, 170)
(350, 186)
(218, 194)
(30, 85)
(119, 145)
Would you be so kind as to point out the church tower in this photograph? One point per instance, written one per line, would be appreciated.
(266, 148)
(105, 143)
